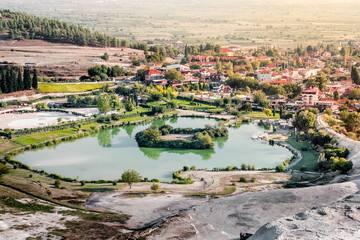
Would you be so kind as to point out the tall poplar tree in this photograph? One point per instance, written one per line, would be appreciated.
(27, 79)
(20, 82)
(35, 79)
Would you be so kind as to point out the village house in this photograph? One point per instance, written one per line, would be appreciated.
(311, 95)
(153, 74)
(264, 76)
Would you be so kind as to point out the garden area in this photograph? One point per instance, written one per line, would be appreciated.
(70, 88)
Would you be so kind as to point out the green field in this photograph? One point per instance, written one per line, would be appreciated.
(228, 22)
(258, 115)
(69, 88)
(310, 157)
(42, 137)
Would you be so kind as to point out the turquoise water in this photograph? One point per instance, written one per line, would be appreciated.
(105, 155)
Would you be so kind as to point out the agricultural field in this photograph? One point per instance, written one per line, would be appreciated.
(228, 22)
(69, 88)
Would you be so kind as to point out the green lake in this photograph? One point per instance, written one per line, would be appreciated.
(106, 154)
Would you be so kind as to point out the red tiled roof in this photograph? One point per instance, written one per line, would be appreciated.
(279, 82)
(225, 50)
(152, 71)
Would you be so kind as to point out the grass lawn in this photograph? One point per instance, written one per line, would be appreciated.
(310, 157)
(42, 137)
(22, 174)
(200, 106)
(258, 115)
(62, 88)
(6, 145)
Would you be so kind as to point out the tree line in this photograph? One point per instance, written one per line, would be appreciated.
(13, 79)
(26, 26)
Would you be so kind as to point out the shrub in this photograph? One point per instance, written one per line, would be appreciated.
(280, 168)
(303, 168)
(57, 183)
(242, 179)
(186, 168)
(30, 175)
(155, 187)
(114, 183)
(243, 166)
(82, 183)
(253, 179)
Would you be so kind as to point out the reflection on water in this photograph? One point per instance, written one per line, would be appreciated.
(105, 137)
(221, 141)
(155, 153)
(129, 129)
(174, 120)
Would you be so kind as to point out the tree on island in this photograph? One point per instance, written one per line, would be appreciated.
(130, 177)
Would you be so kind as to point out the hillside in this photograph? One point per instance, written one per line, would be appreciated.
(235, 22)
(25, 26)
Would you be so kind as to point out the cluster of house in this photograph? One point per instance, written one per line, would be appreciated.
(313, 97)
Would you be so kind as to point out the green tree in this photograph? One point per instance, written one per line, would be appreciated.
(130, 177)
(267, 112)
(247, 107)
(255, 64)
(155, 187)
(41, 105)
(261, 100)
(355, 76)
(105, 57)
(57, 183)
(340, 164)
(195, 66)
(219, 102)
(280, 168)
(129, 106)
(27, 79)
(355, 94)
(336, 95)
(174, 75)
(4, 169)
(352, 121)
(104, 103)
(20, 80)
(35, 79)
(304, 120)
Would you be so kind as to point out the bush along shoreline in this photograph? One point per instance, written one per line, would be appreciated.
(201, 139)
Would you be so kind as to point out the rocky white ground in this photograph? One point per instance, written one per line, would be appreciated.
(34, 120)
(340, 220)
(222, 218)
(22, 226)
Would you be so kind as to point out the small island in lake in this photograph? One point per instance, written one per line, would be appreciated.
(169, 137)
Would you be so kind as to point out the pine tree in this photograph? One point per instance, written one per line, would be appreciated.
(27, 79)
(35, 79)
(186, 51)
(355, 75)
(20, 80)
